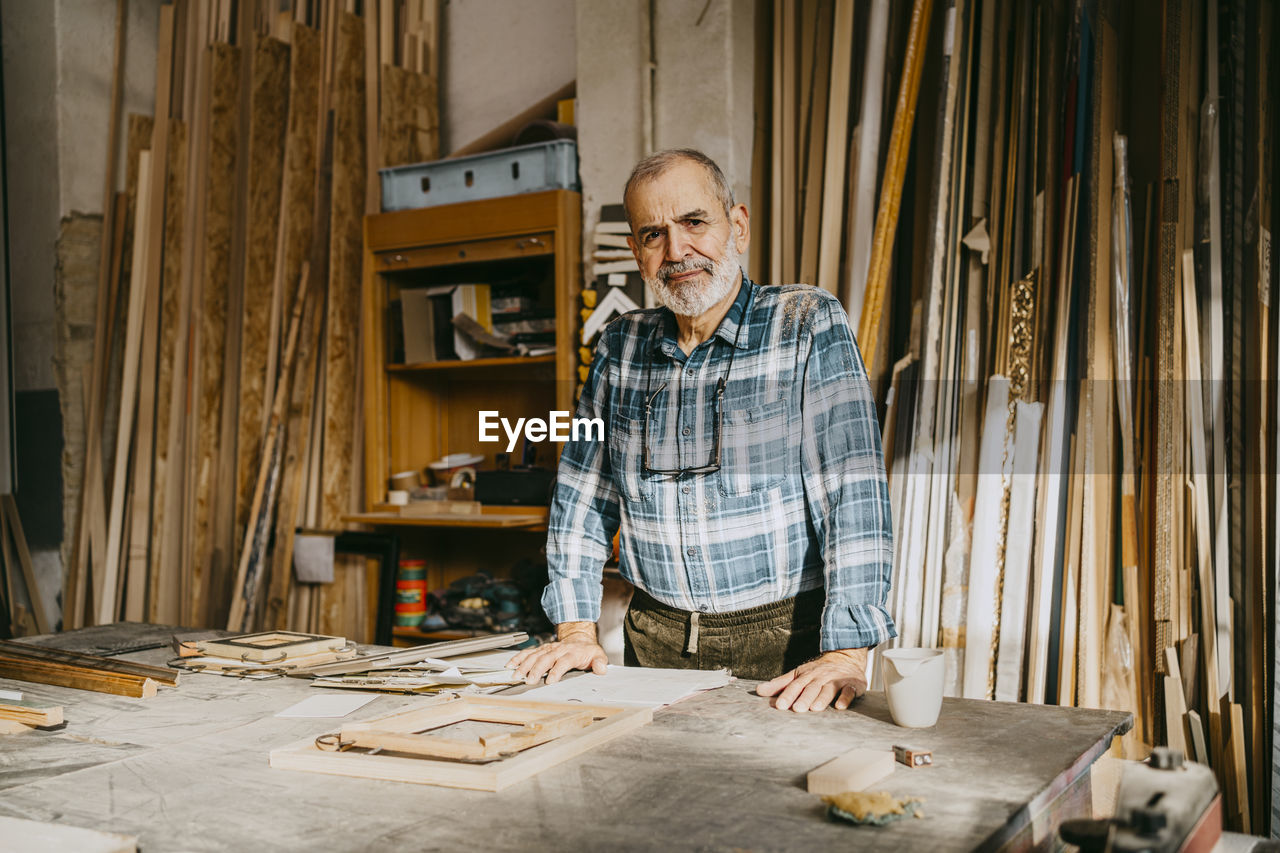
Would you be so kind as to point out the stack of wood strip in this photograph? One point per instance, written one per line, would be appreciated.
(85, 672)
(1062, 295)
(224, 390)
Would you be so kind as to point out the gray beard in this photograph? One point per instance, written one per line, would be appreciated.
(693, 300)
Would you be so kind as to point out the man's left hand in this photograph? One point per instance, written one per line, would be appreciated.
(837, 675)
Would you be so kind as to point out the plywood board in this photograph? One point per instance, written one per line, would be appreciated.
(409, 129)
(856, 770)
(268, 115)
(219, 203)
(342, 336)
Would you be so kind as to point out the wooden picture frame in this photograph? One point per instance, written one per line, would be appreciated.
(410, 746)
(271, 646)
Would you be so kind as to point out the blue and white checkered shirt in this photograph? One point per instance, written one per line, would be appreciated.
(800, 499)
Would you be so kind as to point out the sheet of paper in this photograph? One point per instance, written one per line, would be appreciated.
(632, 686)
(328, 705)
(313, 558)
(15, 695)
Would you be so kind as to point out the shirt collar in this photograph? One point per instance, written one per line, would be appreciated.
(727, 330)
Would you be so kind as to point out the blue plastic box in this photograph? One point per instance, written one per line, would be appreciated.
(523, 169)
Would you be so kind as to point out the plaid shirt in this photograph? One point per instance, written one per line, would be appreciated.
(800, 499)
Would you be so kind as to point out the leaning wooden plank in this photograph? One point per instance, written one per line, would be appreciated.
(298, 187)
(31, 713)
(343, 317)
(13, 526)
(224, 82)
(179, 487)
(249, 573)
(1054, 478)
(816, 117)
(298, 448)
(1204, 560)
(1175, 706)
(790, 122)
(837, 149)
(268, 114)
(105, 604)
(1174, 194)
(163, 601)
(891, 185)
(861, 224)
(775, 148)
(143, 454)
(77, 571)
(1015, 581)
(982, 609)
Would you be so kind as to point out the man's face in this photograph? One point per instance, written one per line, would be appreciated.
(685, 244)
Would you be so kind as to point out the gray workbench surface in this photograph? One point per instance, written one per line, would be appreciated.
(187, 770)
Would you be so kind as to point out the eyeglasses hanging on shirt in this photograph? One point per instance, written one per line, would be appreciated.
(717, 406)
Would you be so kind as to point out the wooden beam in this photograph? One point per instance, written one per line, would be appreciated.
(106, 603)
(891, 186)
(163, 597)
(77, 571)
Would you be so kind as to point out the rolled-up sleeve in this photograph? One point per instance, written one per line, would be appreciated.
(845, 486)
(584, 508)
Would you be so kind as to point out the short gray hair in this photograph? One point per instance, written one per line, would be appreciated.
(655, 164)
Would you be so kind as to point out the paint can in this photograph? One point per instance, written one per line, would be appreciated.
(411, 593)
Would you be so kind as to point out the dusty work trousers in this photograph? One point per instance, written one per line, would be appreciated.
(758, 643)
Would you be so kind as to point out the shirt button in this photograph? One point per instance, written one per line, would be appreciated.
(691, 372)
(703, 607)
(685, 490)
(687, 430)
(691, 551)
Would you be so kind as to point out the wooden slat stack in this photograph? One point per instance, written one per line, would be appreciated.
(1067, 198)
(261, 106)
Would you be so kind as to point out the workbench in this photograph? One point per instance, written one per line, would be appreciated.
(187, 770)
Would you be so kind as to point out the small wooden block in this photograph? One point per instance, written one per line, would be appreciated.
(853, 771)
(913, 757)
(13, 727)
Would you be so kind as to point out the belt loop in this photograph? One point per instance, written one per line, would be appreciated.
(691, 648)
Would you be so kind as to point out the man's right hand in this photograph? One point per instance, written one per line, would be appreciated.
(575, 648)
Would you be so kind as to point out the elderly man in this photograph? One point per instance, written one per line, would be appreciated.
(742, 464)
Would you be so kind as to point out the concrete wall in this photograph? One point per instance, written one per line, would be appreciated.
(58, 60)
(497, 58)
(57, 77)
(701, 96)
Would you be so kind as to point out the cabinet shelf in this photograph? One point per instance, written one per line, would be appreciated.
(473, 364)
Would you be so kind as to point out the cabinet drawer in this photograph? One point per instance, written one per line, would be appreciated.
(500, 248)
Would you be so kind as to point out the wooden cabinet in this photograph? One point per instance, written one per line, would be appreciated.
(415, 414)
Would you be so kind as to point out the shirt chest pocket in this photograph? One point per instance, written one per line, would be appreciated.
(755, 449)
(626, 448)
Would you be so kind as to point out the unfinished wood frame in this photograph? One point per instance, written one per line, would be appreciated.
(551, 733)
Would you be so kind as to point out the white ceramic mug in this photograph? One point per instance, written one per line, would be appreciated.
(913, 684)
